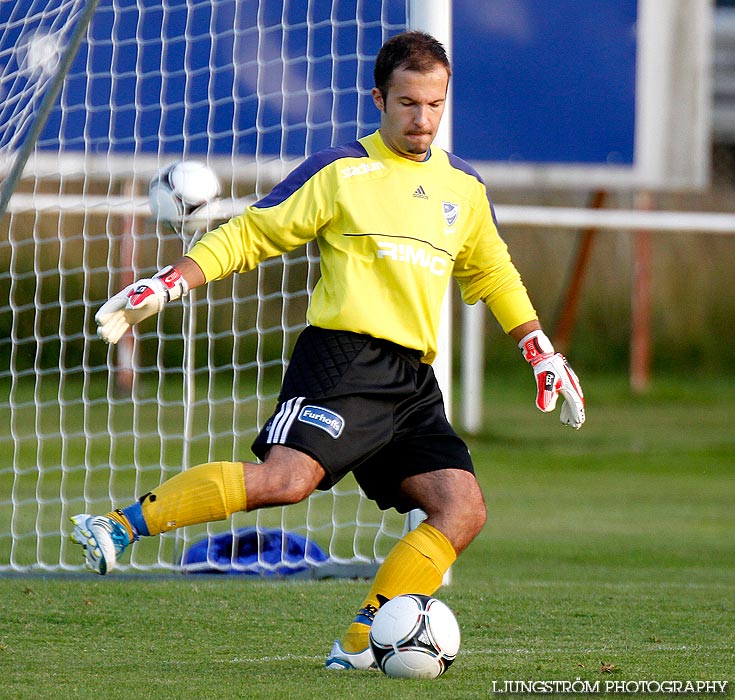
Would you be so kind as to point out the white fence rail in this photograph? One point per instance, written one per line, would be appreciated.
(507, 214)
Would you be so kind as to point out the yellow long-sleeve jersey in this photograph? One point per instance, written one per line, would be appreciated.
(391, 232)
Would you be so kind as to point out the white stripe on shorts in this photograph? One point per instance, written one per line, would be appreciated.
(283, 420)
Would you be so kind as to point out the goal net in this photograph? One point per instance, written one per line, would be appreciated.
(34, 36)
(249, 88)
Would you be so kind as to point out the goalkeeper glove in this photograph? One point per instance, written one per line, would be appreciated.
(138, 301)
(553, 376)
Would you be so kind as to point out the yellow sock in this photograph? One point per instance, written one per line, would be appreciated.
(201, 494)
(416, 564)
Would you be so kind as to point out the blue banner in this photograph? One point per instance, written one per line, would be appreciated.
(534, 81)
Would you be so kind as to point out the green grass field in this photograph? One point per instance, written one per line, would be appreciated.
(609, 556)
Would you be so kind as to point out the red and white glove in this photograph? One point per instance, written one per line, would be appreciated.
(553, 376)
(138, 301)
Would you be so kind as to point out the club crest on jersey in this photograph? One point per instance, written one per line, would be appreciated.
(323, 418)
(451, 212)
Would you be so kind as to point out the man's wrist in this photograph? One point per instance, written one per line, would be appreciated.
(172, 280)
(535, 346)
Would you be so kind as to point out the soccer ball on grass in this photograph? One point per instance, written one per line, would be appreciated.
(414, 636)
(183, 195)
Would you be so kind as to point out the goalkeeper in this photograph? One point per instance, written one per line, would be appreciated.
(395, 219)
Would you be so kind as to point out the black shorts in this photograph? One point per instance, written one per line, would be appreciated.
(363, 405)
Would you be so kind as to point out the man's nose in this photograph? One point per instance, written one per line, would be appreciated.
(421, 117)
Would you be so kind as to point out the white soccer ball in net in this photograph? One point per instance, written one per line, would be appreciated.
(184, 195)
(414, 636)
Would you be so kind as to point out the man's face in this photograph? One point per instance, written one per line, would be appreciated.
(411, 110)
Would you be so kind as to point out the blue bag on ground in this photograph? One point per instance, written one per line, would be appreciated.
(253, 551)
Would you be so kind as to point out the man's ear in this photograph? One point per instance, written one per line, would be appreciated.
(378, 99)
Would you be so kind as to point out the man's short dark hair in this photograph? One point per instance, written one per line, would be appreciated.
(415, 51)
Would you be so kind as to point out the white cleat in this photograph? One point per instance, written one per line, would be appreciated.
(341, 660)
(103, 541)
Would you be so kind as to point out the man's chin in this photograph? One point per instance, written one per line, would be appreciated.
(418, 148)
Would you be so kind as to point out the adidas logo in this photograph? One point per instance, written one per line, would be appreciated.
(419, 192)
